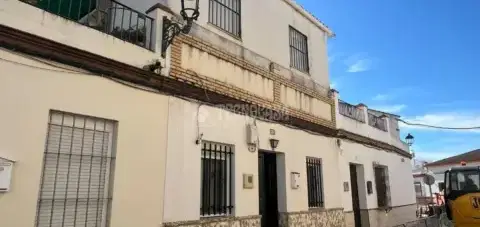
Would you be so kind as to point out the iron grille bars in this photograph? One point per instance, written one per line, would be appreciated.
(381, 186)
(314, 182)
(298, 50)
(77, 172)
(217, 179)
(226, 15)
(108, 16)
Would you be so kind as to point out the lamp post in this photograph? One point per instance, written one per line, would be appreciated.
(409, 139)
(189, 13)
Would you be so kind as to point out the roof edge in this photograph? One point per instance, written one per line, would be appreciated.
(310, 17)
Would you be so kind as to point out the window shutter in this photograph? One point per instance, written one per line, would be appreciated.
(76, 172)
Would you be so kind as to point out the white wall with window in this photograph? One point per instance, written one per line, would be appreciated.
(301, 153)
(392, 169)
(264, 27)
(108, 136)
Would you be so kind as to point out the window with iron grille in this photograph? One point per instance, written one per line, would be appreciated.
(298, 50)
(77, 171)
(217, 179)
(226, 15)
(381, 182)
(314, 182)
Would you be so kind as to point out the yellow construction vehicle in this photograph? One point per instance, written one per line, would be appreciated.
(462, 195)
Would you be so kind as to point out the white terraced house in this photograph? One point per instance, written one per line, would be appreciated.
(154, 113)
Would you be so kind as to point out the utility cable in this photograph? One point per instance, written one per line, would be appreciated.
(156, 91)
(438, 127)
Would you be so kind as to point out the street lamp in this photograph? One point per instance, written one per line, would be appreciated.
(273, 143)
(189, 13)
(409, 139)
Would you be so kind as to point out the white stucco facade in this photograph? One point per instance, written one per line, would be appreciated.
(28, 93)
(402, 197)
(399, 171)
(265, 28)
(182, 194)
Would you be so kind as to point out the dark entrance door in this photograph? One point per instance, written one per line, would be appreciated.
(355, 198)
(267, 178)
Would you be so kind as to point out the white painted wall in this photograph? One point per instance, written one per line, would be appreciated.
(400, 175)
(426, 189)
(27, 94)
(182, 193)
(364, 129)
(265, 30)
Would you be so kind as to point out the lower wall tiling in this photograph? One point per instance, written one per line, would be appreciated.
(247, 221)
(379, 218)
(313, 218)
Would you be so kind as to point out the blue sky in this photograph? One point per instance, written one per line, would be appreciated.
(416, 58)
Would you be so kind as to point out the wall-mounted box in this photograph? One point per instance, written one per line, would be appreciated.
(6, 167)
(247, 181)
(252, 134)
(369, 187)
(295, 180)
(346, 186)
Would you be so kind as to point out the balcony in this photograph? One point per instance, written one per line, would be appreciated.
(107, 16)
(351, 111)
(377, 125)
(377, 122)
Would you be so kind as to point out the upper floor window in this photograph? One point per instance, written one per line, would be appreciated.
(298, 50)
(225, 14)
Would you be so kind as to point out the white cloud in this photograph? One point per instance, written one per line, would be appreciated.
(360, 62)
(333, 57)
(453, 120)
(333, 85)
(360, 66)
(390, 108)
(381, 97)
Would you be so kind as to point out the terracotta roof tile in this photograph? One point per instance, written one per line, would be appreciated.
(470, 156)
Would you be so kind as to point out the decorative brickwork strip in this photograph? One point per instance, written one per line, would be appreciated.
(233, 91)
(205, 46)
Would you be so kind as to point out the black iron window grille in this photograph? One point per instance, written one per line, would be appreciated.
(226, 14)
(76, 180)
(217, 179)
(314, 182)
(298, 50)
(108, 16)
(381, 183)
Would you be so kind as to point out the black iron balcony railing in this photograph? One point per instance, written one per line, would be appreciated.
(107, 16)
(377, 122)
(351, 111)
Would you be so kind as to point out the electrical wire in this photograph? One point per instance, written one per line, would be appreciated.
(157, 91)
(438, 127)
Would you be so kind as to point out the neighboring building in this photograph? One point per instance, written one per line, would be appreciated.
(472, 158)
(238, 128)
(426, 194)
(381, 170)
